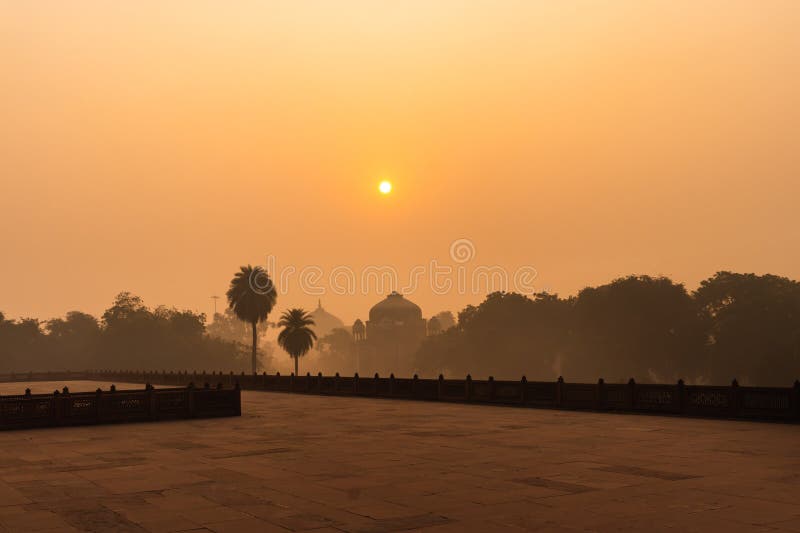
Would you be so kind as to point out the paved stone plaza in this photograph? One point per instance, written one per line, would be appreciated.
(300, 463)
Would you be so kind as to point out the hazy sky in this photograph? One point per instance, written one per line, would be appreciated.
(155, 146)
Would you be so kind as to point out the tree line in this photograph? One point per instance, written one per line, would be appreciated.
(129, 335)
(653, 329)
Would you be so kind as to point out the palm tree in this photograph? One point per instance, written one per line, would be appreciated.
(297, 337)
(251, 296)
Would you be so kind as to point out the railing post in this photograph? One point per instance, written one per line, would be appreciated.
(336, 383)
(190, 400)
(733, 398)
(468, 388)
(632, 392)
(524, 389)
(560, 391)
(57, 409)
(491, 388)
(414, 386)
(680, 395)
(440, 387)
(600, 395)
(391, 385)
(376, 384)
(58, 400)
(355, 383)
(151, 398)
(98, 405)
(238, 399)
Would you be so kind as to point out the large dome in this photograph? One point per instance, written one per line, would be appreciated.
(395, 308)
(324, 322)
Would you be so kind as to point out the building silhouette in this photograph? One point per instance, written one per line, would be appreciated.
(393, 334)
(324, 322)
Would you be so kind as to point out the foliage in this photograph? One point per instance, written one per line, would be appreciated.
(434, 326)
(752, 325)
(251, 297)
(129, 335)
(338, 352)
(446, 320)
(296, 337)
(740, 326)
(637, 326)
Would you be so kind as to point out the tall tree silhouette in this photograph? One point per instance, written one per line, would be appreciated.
(251, 297)
(296, 337)
(752, 326)
(637, 326)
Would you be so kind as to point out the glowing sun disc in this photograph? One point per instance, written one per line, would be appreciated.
(385, 187)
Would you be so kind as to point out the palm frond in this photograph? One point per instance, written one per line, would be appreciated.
(296, 337)
(251, 295)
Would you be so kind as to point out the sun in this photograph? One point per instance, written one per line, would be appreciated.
(385, 187)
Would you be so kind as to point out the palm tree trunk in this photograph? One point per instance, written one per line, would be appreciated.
(296, 359)
(255, 345)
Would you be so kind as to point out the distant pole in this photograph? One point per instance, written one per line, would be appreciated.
(215, 298)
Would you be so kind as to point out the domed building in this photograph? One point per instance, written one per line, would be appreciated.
(394, 332)
(324, 322)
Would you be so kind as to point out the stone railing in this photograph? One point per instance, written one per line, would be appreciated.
(59, 375)
(734, 401)
(63, 408)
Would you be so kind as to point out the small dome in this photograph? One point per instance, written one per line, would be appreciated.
(324, 322)
(395, 308)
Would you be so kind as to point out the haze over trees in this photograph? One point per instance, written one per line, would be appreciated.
(227, 326)
(129, 335)
(739, 326)
(445, 319)
(337, 352)
(733, 325)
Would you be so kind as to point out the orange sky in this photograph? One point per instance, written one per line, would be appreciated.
(155, 146)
